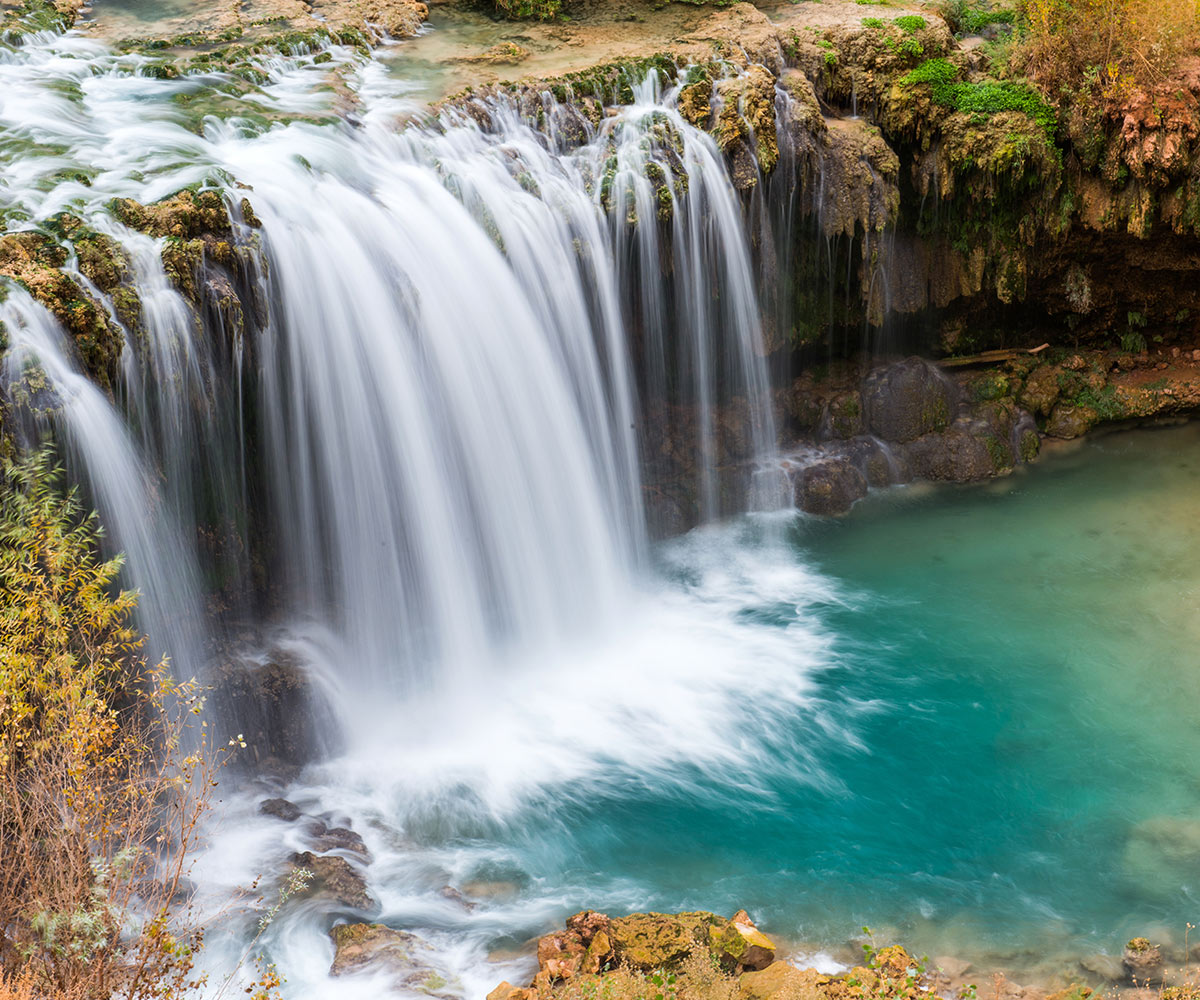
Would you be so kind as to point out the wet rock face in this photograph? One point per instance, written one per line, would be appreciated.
(829, 487)
(906, 400)
(336, 879)
(276, 707)
(406, 958)
(959, 455)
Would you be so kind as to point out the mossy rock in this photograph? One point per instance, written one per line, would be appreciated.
(34, 260)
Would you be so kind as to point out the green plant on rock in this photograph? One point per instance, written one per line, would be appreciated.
(985, 98)
(529, 10)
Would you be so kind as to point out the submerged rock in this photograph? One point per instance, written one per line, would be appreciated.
(407, 958)
(335, 878)
(829, 487)
(280, 809)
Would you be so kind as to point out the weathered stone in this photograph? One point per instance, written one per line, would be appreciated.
(958, 456)
(1071, 421)
(844, 417)
(906, 400)
(409, 960)
(742, 944)
(339, 838)
(829, 487)
(337, 878)
(1143, 961)
(280, 809)
(878, 464)
(780, 980)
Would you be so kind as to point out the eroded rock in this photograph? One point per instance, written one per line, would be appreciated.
(906, 400)
(407, 959)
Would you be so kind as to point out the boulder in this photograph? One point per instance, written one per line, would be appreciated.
(829, 487)
(336, 878)
(339, 838)
(960, 455)
(280, 809)
(408, 959)
(650, 941)
(1143, 961)
(906, 400)
(1040, 391)
(844, 416)
(780, 981)
(879, 465)
(1071, 421)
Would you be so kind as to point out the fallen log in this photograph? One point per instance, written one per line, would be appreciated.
(991, 357)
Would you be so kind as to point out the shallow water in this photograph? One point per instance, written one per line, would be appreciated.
(963, 716)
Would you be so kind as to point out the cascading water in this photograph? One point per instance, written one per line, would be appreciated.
(439, 391)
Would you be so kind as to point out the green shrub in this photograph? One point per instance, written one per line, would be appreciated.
(529, 10)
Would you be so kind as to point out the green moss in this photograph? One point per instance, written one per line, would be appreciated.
(911, 23)
(529, 10)
(985, 98)
(33, 16)
(872, 22)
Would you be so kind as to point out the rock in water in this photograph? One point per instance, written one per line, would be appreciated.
(1143, 960)
(408, 959)
(280, 809)
(337, 878)
(829, 487)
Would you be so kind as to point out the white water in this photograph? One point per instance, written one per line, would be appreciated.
(447, 438)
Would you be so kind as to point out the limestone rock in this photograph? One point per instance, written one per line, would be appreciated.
(337, 878)
(780, 980)
(958, 456)
(829, 487)
(906, 400)
(1071, 421)
(362, 947)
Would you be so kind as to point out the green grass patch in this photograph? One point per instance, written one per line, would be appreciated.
(987, 98)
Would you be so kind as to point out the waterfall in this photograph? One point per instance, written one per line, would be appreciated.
(469, 336)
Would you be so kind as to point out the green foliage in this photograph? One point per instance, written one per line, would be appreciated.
(969, 17)
(872, 22)
(911, 23)
(989, 97)
(529, 10)
(98, 800)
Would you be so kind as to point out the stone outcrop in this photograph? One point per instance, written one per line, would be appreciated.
(899, 422)
(407, 960)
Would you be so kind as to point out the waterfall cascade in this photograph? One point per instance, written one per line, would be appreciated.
(424, 414)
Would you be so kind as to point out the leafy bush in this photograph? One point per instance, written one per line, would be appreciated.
(529, 10)
(986, 98)
(967, 17)
(1107, 46)
(911, 23)
(99, 798)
